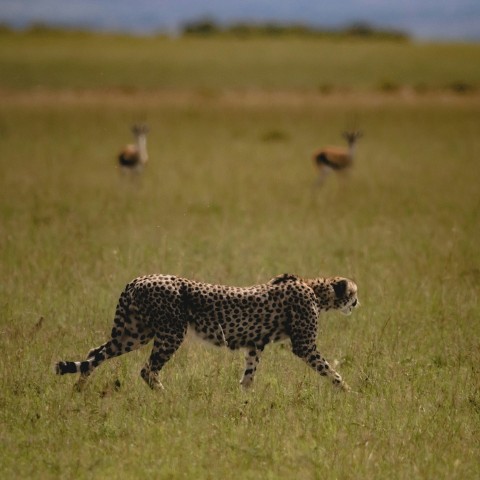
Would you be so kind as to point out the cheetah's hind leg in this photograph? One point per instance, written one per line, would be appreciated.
(123, 342)
(252, 357)
(164, 346)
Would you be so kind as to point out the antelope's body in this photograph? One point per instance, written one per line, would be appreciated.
(336, 158)
(135, 156)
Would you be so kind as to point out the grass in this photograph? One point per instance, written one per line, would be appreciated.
(90, 61)
(228, 198)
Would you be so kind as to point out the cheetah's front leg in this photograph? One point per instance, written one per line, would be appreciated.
(304, 347)
(152, 378)
(318, 363)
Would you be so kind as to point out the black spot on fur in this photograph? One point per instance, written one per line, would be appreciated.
(340, 288)
(66, 367)
(283, 278)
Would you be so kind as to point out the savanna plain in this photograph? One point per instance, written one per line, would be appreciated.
(228, 197)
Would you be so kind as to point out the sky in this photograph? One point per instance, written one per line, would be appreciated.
(423, 19)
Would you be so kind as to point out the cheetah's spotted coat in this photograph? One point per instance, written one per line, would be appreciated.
(162, 307)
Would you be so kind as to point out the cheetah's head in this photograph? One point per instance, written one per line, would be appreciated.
(335, 293)
(345, 292)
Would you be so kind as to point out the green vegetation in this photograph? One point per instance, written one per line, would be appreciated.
(78, 61)
(228, 197)
(209, 27)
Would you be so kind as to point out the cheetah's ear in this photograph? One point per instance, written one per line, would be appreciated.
(340, 288)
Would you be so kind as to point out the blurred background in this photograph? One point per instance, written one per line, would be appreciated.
(427, 19)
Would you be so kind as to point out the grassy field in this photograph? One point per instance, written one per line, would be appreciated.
(88, 61)
(228, 198)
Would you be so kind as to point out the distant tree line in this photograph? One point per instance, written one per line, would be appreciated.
(208, 27)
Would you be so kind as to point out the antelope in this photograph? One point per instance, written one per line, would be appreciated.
(134, 157)
(336, 158)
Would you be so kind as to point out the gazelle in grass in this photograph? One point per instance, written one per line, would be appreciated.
(134, 157)
(336, 158)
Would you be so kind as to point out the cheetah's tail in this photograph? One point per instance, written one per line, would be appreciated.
(61, 368)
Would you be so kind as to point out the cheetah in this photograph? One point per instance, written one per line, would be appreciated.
(163, 307)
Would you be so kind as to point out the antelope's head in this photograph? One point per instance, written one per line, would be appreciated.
(140, 129)
(352, 136)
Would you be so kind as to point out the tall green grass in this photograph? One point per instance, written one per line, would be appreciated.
(104, 61)
(228, 198)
